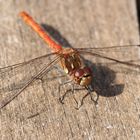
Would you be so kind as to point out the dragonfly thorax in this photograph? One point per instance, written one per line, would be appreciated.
(73, 65)
(70, 60)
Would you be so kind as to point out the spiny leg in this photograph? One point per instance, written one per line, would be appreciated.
(88, 93)
(61, 99)
(95, 101)
(82, 101)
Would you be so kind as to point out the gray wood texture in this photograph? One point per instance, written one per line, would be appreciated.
(76, 23)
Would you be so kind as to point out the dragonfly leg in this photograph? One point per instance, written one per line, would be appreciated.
(95, 101)
(91, 91)
(82, 101)
(61, 99)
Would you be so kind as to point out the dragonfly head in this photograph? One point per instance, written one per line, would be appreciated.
(83, 76)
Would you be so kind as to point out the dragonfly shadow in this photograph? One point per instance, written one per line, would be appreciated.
(55, 34)
(104, 81)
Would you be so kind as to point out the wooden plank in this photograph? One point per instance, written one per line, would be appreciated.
(88, 23)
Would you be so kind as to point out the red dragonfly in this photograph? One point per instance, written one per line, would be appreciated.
(70, 59)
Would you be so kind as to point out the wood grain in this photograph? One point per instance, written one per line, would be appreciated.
(88, 23)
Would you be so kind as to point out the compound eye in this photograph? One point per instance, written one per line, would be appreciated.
(79, 73)
(87, 70)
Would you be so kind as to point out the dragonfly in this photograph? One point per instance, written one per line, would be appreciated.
(70, 60)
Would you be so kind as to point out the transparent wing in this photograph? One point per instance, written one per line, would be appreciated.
(126, 55)
(14, 79)
(25, 63)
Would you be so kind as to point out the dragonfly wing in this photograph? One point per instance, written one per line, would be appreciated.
(14, 78)
(15, 66)
(126, 56)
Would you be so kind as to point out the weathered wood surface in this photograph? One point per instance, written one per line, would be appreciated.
(88, 23)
